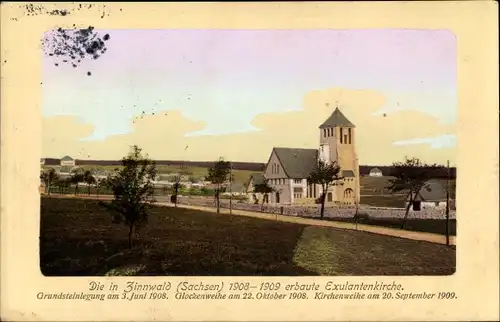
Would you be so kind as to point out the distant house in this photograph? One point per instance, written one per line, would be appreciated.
(255, 179)
(65, 170)
(375, 172)
(67, 161)
(432, 195)
(236, 189)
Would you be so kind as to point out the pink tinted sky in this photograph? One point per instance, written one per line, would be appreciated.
(220, 75)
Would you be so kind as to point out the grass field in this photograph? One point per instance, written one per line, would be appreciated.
(78, 238)
(393, 201)
(240, 176)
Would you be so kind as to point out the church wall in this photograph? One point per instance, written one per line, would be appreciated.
(278, 180)
(270, 172)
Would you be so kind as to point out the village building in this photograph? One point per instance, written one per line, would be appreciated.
(67, 161)
(235, 189)
(287, 169)
(255, 179)
(375, 172)
(432, 195)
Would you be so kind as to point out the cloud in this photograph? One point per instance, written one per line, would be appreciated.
(164, 136)
(442, 141)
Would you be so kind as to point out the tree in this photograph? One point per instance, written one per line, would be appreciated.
(133, 191)
(326, 175)
(264, 189)
(63, 185)
(411, 176)
(99, 183)
(49, 177)
(77, 176)
(218, 175)
(89, 178)
(177, 185)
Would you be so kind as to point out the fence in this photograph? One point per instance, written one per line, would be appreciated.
(314, 211)
(204, 198)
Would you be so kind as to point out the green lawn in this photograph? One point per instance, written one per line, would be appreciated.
(393, 201)
(78, 238)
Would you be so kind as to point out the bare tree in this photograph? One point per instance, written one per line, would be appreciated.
(176, 187)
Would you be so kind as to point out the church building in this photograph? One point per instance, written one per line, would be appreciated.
(288, 168)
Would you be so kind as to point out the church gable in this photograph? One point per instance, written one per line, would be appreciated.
(274, 168)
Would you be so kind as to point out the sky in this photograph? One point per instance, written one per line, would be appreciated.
(214, 86)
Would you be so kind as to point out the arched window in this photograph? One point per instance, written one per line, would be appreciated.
(348, 193)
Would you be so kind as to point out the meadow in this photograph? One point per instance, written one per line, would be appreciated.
(239, 176)
(78, 238)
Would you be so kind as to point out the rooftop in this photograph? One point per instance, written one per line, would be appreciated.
(336, 119)
(67, 158)
(297, 163)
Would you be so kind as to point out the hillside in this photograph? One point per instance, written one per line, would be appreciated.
(250, 166)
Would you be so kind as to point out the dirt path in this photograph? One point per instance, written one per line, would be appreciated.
(414, 235)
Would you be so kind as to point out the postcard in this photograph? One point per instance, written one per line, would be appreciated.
(257, 161)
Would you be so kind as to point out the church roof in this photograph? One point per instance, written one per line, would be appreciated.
(336, 119)
(67, 158)
(297, 163)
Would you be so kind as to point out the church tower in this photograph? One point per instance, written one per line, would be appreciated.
(337, 143)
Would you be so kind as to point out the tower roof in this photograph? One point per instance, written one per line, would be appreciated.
(336, 119)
